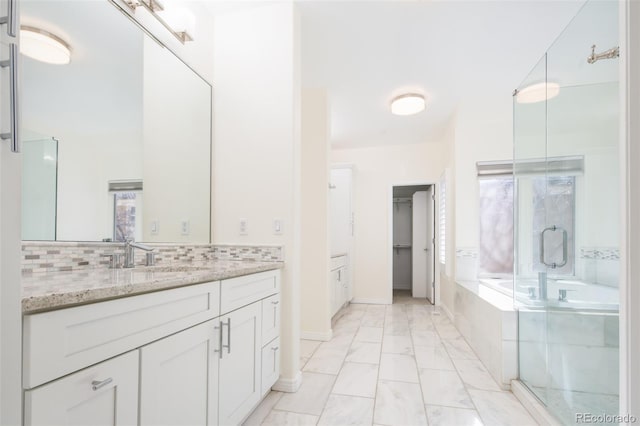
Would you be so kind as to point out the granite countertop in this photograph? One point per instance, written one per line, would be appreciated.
(55, 290)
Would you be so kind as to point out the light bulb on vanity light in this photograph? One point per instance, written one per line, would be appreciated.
(407, 104)
(181, 20)
(44, 46)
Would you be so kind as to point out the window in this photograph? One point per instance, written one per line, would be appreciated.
(545, 203)
(124, 216)
(442, 220)
(495, 254)
(126, 196)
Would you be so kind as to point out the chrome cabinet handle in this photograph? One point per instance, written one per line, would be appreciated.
(228, 345)
(14, 131)
(565, 249)
(11, 19)
(99, 384)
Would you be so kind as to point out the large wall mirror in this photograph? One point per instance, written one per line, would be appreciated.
(117, 142)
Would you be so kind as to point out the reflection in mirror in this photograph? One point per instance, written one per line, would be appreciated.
(124, 111)
(39, 188)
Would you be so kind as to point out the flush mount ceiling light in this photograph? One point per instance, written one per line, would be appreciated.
(408, 104)
(43, 46)
(537, 93)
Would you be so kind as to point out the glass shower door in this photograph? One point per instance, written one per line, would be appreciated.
(566, 272)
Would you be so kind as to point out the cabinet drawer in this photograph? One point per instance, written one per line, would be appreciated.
(270, 365)
(338, 262)
(60, 342)
(73, 399)
(242, 291)
(270, 318)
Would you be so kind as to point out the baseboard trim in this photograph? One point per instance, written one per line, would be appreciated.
(322, 336)
(288, 385)
(529, 401)
(447, 312)
(366, 301)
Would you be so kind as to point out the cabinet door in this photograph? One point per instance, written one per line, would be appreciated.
(179, 378)
(270, 365)
(240, 363)
(270, 318)
(336, 292)
(105, 394)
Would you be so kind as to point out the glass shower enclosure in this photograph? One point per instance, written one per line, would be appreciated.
(566, 260)
(39, 188)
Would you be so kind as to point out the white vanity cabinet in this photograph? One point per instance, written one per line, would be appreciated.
(339, 283)
(193, 355)
(105, 394)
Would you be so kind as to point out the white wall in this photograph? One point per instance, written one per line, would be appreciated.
(257, 146)
(176, 160)
(314, 291)
(483, 133)
(376, 171)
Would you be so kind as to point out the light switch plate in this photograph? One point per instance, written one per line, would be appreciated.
(277, 226)
(155, 227)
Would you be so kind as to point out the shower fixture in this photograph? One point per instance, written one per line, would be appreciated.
(612, 53)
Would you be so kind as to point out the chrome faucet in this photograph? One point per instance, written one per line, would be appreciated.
(129, 258)
(542, 285)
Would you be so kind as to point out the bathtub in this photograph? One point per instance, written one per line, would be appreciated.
(579, 295)
(488, 321)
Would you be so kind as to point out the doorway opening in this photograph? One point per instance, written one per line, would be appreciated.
(413, 244)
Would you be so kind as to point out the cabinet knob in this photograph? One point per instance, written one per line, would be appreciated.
(275, 348)
(99, 384)
(275, 302)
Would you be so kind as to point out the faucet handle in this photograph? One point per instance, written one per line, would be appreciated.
(115, 260)
(562, 294)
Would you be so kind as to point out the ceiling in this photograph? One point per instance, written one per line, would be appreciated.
(368, 51)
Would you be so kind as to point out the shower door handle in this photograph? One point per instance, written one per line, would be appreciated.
(565, 248)
(14, 120)
(11, 19)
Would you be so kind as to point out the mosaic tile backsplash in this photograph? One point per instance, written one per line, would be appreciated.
(54, 256)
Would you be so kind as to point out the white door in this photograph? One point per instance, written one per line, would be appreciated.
(179, 378)
(10, 236)
(240, 364)
(422, 245)
(105, 394)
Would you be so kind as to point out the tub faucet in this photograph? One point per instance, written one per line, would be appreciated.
(542, 285)
(129, 246)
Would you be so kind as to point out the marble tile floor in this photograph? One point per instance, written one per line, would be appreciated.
(395, 365)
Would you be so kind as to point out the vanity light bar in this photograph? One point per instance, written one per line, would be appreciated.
(155, 6)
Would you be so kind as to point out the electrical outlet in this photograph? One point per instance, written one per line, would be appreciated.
(184, 227)
(244, 226)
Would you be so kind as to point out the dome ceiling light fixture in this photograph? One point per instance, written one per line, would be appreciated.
(537, 92)
(407, 104)
(44, 46)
